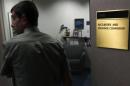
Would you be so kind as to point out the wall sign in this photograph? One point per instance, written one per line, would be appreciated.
(79, 24)
(112, 29)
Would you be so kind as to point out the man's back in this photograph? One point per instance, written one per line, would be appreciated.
(36, 60)
(33, 58)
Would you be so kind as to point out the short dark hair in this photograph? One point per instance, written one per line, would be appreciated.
(27, 9)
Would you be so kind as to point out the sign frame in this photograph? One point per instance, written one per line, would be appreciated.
(112, 29)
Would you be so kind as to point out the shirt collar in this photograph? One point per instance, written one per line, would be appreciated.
(31, 29)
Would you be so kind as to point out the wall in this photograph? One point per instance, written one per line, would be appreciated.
(110, 67)
(52, 14)
(1, 30)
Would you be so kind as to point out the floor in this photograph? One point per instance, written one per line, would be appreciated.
(81, 79)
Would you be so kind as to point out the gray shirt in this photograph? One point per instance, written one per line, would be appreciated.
(34, 59)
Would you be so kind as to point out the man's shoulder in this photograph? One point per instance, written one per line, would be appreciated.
(32, 38)
(9, 42)
(46, 38)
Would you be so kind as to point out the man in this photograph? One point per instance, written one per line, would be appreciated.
(33, 58)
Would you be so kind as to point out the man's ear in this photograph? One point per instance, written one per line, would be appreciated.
(24, 21)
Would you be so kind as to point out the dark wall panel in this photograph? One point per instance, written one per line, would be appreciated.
(110, 67)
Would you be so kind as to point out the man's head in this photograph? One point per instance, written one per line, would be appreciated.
(24, 14)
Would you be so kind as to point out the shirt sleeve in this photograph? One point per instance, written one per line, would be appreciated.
(9, 54)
